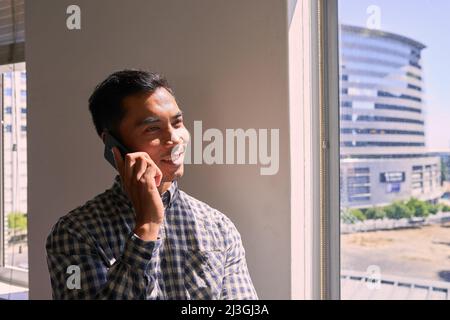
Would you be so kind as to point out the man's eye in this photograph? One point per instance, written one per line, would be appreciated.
(151, 129)
(178, 123)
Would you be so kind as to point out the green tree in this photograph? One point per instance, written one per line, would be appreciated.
(346, 217)
(398, 210)
(358, 214)
(418, 208)
(434, 208)
(17, 221)
(352, 216)
(375, 213)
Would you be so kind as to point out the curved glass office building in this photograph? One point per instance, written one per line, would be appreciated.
(383, 152)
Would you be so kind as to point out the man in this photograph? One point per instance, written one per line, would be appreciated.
(144, 238)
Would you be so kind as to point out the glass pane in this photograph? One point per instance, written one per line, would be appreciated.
(14, 267)
(395, 149)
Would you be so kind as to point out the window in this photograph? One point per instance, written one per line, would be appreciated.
(358, 180)
(358, 170)
(393, 213)
(13, 231)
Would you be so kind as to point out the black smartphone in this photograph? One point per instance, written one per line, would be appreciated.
(111, 142)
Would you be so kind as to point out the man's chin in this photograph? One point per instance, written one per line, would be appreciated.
(170, 175)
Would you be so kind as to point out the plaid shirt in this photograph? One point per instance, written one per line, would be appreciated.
(198, 254)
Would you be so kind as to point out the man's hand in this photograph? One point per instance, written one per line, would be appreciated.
(141, 178)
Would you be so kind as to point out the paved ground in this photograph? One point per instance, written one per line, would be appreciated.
(12, 292)
(414, 253)
(17, 255)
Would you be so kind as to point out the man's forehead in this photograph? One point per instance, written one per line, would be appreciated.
(148, 105)
(161, 97)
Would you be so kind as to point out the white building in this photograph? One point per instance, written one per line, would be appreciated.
(383, 152)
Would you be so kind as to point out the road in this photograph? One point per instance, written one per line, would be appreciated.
(422, 253)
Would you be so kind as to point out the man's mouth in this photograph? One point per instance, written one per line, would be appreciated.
(175, 157)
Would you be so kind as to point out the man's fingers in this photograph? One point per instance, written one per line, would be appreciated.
(135, 166)
(128, 167)
(152, 173)
(139, 169)
(158, 173)
(158, 176)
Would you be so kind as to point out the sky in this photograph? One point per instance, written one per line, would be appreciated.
(427, 21)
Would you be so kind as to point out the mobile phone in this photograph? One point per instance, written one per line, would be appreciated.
(111, 142)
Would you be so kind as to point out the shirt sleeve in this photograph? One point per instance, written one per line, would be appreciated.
(78, 269)
(237, 284)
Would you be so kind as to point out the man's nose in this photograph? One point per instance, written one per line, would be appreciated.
(173, 137)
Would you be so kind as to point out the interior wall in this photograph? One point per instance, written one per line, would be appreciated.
(228, 63)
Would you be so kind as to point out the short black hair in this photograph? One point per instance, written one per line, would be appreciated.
(105, 103)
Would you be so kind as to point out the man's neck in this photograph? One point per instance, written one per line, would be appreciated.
(164, 186)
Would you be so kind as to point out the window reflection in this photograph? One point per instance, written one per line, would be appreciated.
(394, 190)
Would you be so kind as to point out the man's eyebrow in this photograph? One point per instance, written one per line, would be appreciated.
(150, 120)
(179, 114)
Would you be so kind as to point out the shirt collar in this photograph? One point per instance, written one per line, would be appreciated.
(168, 197)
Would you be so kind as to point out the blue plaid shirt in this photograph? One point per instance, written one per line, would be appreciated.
(198, 254)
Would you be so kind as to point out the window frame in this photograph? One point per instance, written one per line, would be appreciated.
(314, 134)
(328, 42)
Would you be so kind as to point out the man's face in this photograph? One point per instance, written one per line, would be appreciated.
(153, 123)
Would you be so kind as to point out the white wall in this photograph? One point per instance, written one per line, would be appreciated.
(228, 63)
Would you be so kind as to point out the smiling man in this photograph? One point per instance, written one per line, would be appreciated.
(144, 238)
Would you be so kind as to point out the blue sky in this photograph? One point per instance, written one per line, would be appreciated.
(427, 21)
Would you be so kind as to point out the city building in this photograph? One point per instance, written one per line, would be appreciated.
(383, 152)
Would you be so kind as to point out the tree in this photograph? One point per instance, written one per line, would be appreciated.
(375, 213)
(433, 209)
(358, 214)
(398, 210)
(352, 216)
(418, 208)
(17, 221)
